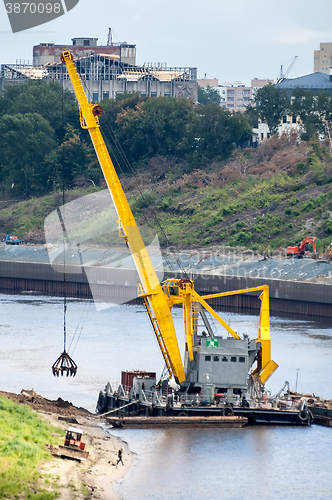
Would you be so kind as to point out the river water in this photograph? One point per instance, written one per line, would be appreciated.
(252, 462)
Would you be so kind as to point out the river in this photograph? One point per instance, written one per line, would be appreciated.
(252, 462)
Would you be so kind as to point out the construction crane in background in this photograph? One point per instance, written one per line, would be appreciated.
(284, 75)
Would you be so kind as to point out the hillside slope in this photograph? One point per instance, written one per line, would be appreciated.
(262, 199)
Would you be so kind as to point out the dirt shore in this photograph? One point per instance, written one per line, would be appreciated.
(91, 479)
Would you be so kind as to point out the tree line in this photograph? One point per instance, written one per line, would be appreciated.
(43, 147)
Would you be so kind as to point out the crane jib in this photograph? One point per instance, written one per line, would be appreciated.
(158, 300)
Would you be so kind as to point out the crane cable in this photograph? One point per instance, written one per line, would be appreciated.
(64, 364)
(141, 192)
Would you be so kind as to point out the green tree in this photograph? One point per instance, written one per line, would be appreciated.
(26, 141)
(208, 94)
(77, 162)
(56, 105)
(272, 103)
(155, 126)
(217, 131)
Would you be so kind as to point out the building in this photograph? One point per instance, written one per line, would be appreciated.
(258, 83)
(235, 98)
(106, 70)
(323, 58)
(315, 82)
(45, 53)
(208, 82)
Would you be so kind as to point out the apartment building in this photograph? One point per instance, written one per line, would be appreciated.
(323, 58)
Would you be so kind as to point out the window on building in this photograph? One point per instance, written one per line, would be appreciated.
(246, 99)
(242, 359)
(240, 100)
(293, 119)
(106, 94)
(216, 358)
(207, 358)
(224, 359)
(86, 43)
(240, 92)
(153, 94)
(233, 359)
(167, 94)
(230, 92)
(230, 98)
(230, 105)
(247, 92)
(95, 96)
(284, 119)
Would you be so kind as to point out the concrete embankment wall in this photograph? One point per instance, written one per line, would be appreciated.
(119, 285)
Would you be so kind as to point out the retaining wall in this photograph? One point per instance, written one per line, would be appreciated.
(120, 285)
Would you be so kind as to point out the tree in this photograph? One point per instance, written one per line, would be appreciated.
(155, 126)
(77, 162)
(56, 105)
(26, 140)
(208, 94)
(272, 103)
(217, 131)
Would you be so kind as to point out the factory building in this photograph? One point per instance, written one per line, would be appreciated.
(106, 71)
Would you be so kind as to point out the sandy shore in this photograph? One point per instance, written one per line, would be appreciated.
(94, 478)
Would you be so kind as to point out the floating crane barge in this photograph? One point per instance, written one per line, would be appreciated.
(220, 376)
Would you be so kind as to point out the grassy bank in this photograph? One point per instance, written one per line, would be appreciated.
(23, 436)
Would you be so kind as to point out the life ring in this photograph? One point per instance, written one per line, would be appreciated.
(304, 417)
(228, 412)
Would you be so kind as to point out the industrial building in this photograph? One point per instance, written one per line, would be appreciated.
(106, 71)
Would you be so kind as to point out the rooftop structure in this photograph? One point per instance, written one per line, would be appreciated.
(83, 47)
(314, 81)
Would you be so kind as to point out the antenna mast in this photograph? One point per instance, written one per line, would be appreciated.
(109, 38)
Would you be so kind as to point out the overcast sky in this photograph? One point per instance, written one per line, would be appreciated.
(233, 40)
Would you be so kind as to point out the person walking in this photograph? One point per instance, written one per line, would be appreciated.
(120, 452)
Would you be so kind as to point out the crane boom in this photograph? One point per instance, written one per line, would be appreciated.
(159, 307)
(159, 298)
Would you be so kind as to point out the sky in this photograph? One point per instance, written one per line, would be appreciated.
(233, 40)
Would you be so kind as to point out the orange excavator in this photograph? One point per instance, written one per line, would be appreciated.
(301, 249)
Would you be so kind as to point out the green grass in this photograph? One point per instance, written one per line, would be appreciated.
(23, 436)
(252, 211)
(265, 214)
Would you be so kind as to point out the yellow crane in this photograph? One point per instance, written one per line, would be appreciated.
(159, 298)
